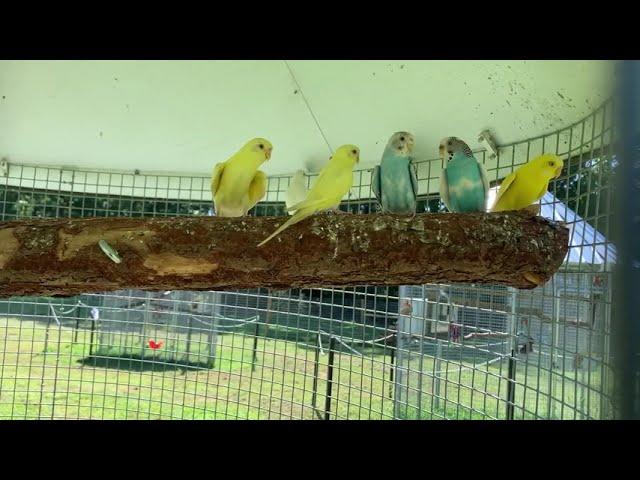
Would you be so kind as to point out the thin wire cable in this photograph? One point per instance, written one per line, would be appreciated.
(313, 115)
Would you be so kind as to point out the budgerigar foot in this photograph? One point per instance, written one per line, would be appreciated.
(533, 209)
(337, 211)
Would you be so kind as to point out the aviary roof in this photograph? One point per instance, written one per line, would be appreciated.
(185, 116)
(586, 244)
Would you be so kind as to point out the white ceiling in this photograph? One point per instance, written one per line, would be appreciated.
(185, 116)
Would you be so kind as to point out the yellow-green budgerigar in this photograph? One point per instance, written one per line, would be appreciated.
(528, 183)
(333, 183)
(237, 184)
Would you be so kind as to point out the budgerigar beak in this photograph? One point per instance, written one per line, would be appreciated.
(410, 146)
(267, 153)
(558, 172)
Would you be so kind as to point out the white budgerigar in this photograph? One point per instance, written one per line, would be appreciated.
(297, 191)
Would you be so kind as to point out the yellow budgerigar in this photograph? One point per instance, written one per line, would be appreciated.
(237, 184)
(528, 183)
(333, 183)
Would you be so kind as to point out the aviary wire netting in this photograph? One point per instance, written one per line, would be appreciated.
(415, 352)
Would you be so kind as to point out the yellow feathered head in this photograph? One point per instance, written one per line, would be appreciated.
(349, 154)
(549, 165)
(261, 147)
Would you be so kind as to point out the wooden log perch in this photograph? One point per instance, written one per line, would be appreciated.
(62, 257)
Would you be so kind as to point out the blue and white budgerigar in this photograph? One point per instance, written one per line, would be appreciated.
(463, 183)
(394, 181)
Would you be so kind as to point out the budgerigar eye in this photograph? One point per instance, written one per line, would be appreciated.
(552, 163)
(354, 151)
(261, 146)
(402, 139)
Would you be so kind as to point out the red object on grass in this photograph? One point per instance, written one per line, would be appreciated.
(154, 346)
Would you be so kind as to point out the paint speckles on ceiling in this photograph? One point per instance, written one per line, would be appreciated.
(164, 116)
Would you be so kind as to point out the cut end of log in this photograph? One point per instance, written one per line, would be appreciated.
(8, 246)
(534, 279)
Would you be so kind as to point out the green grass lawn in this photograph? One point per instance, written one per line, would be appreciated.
(127, 381)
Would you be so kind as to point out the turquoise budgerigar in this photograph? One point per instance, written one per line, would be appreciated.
(394, 181)
(463, 183)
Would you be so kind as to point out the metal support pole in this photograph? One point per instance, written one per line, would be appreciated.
(327, 404)
(391, 369)
(316, 362)
(46, 336)
(93, 329)
(255, 347)
(436, 377)
(511, 386)
(75, 333)
(513, 340)
(626, 318)
(189, 333)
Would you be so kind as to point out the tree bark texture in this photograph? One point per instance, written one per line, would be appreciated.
(62, 257)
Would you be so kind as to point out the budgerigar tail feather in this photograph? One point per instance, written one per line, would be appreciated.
(314, 204)
(297, 217)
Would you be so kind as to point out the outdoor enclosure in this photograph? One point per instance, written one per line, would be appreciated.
(408, 352)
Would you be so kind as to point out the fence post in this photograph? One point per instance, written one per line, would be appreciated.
(391, 369)
(212, 337)
(46, 335)
(420, 374)
(436, 376)
(316, 362)
(266, 320)
(93, 329)
(255, 347)
(580, 362)
(146, 316)
(511, 371)
(511, 386)
(75, 333)
(605, 399)
(172, 327)
(327, 404)
(189, 330)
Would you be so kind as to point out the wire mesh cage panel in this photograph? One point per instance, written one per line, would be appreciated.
(168, 328)
(415, 352)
